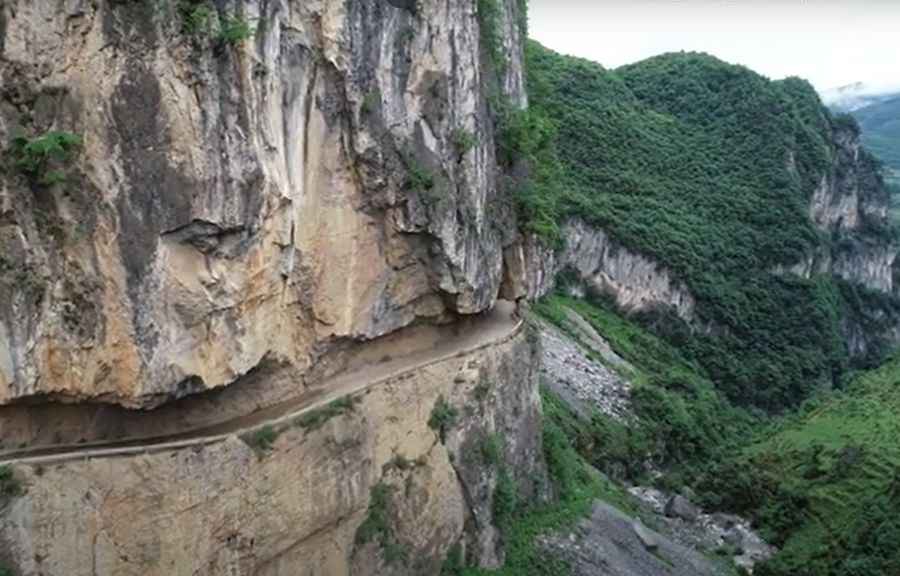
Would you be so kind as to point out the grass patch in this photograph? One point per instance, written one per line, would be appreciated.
(315, 419)
(576, 486)
(377, 525)
(262, 439)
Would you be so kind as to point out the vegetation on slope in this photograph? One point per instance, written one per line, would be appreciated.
(682, 423)
(880, 123)
(576, 487)
(825, 484)
(709, 168)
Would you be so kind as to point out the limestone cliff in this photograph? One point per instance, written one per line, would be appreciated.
(850, 206)
(297, 500)
(597, 263)
(229, 200)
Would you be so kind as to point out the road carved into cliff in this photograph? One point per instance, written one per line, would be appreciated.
(488, 329)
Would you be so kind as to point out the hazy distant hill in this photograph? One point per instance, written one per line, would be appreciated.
(855, 96)
(878, 113)
(880, 123)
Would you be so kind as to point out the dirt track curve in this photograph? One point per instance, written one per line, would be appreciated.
(485, 330)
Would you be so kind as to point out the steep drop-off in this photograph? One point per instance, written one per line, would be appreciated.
(384, 483)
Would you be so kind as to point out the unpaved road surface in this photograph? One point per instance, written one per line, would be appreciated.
(476, 333)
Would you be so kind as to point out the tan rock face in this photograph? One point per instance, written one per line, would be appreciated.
(230, 509)
(231, 203)
(636, 282)
(850, 205)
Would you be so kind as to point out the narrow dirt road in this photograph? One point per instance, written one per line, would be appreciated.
(478, 332)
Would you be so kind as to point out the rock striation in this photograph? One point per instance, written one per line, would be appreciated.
(234, 201)
(597, 263)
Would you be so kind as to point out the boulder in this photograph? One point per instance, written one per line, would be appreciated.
(647, 538)
(680, 507)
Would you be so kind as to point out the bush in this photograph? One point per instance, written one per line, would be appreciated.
(235, 29)
(492, 449)
(315, 419)
(463, 141)
(9, 484)
(196, 17)
(377, 525)
(33, 155)
(418, 178)
(454, 563)
(443, 418)
(505, 500)
(370, 102)
(262, 439)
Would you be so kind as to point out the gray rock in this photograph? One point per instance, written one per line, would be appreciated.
(680, 507)
(734, 537)
(618, 545)
(647, 537)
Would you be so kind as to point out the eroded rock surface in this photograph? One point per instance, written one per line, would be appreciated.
(234, 202)
(231, 508)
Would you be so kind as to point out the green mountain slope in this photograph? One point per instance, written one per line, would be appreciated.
(880, 123)
(826, 484)
(686, 158)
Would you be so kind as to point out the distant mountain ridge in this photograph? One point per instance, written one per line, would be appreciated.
(858, 95)
(877, 109)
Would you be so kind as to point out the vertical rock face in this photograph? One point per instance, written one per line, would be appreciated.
(850, 206)
(300, 506)
(600, 264)
(231, 202)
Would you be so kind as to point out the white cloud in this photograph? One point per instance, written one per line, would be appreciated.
(828, 42)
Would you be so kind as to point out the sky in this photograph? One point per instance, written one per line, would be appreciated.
(831, 43)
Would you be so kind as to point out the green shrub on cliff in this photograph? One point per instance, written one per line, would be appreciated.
(9, 484)
(443, 417)
(34, 156)
(235, 29)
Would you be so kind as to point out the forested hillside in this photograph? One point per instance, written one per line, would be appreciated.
(880, 124)
(825, 483)
(711, 169)
(718, 174)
